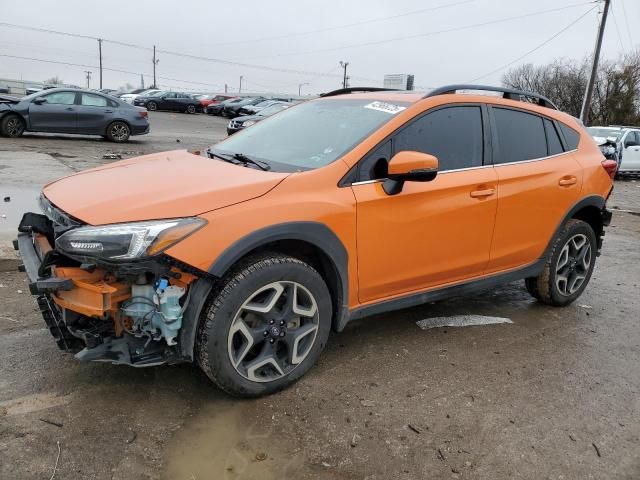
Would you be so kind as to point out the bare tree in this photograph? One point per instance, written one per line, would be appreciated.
(616, 98)
(56, 80)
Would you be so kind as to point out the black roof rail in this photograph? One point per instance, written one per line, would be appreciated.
(509, 93)
(342, 91)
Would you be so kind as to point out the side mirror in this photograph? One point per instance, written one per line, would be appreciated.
(39, 100)
(409, 166)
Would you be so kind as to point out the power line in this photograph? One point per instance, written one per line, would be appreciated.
(435, 32)
(338, 27)
(555, 35)
(615, 23)
(82, 65)
(626, 20)
(169, 52)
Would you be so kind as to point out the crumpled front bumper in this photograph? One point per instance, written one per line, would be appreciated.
(32, 248)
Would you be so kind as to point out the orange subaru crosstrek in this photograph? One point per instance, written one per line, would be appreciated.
(356, 203)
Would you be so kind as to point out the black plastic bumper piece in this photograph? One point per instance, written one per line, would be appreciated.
(31, 266)
(64, 339)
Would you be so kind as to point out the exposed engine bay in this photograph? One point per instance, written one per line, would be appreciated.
(128, 312)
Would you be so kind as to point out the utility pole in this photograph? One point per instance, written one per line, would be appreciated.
(141, 80)
(300, 85)
(100, 53)
(345, 79)
(88, 72)
(226, 88)
(240, 87)
(155, 62)
(586, 102)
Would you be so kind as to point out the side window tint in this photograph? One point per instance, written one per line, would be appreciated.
(93, 100)
(553, 140)
(520, 136)
(570, 135)
(374, 165)
(61, 98)
(453, 134)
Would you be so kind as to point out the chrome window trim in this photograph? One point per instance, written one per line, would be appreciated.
(366, 182)
(535, 159)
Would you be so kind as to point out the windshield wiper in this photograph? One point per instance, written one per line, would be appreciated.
(240, 158)
(258, 163)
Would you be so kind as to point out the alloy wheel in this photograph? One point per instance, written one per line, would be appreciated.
(14, 127)
(273, 331)
(119, 131)
(573, 264)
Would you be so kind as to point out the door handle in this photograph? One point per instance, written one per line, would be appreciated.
(567, 181)
(69, 109)
(108, 111)
(483, 193)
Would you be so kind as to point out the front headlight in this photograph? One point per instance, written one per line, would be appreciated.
(127, 241)
(248, 123)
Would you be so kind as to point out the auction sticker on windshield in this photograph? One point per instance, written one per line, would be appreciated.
(385, 107)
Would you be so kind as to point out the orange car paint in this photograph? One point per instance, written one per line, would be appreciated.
(472, 223)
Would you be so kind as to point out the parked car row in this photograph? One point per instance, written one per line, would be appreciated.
(238, 123)
(619, 143)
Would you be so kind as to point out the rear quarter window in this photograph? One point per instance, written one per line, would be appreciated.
(571, 137)
(553, 139)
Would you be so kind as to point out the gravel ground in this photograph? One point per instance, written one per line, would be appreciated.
(553, 395)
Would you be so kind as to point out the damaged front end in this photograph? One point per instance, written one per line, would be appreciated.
(108, 293)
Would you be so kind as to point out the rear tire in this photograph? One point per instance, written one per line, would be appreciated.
(118, 132)
(12, 126)
(569, 265)
(191, 109)
(265, 326)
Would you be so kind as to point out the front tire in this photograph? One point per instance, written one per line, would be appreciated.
(265, 326)
(191, 109)
(12, 126)
(569, 265)
(118, 132)
(152, 106)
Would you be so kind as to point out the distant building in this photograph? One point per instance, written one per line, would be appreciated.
(399, 81)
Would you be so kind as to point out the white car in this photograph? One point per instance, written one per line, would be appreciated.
(130, 97)
(630, 154)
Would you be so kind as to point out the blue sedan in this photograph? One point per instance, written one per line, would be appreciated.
(62, 110)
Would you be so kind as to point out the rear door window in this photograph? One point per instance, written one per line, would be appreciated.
(91, 100)
(521, 136)
(452, 134)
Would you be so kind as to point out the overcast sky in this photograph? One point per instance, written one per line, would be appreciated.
(376, 37)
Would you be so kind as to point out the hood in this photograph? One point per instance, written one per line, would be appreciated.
(162, 185)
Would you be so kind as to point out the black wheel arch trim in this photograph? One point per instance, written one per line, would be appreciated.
(315, 233)
(589, 201)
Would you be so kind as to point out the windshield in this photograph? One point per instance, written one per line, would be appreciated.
(312, 134)
(605, 132)
(265, 112)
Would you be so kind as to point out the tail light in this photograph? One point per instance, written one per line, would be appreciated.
(143, 114)
(611, 167)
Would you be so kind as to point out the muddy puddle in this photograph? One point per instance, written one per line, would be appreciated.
(228, 442)
(14, 201)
